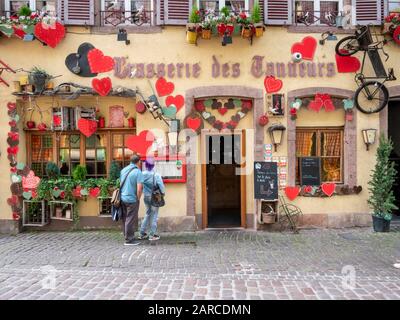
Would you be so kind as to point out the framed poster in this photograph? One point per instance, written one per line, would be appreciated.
(116, 117)
(276, 104)
(172, 169)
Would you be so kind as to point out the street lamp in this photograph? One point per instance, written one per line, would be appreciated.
(369, 136)
(276, 133)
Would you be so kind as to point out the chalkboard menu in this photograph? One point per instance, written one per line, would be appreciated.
(266, 180)
(310, 171)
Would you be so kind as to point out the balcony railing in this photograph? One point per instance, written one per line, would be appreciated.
(141, 17)
(312, 18)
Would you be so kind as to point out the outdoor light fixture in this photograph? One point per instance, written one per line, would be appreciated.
(174, 126)
(369, 136)
(328, 35)
(123, 36)
(276, 133)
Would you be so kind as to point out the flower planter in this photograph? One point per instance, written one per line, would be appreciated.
(246, 32)
(259, 31)
(39, 81)
(380, 224)
(191, 37)
(206, 34)
(35, 213)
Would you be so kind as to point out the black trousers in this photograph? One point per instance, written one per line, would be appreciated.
(130, 212)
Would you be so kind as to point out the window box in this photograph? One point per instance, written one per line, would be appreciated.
(35, 213)
(62, 210)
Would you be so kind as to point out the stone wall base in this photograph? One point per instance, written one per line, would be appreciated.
(10, 227)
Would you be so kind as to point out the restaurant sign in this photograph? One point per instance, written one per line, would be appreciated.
(260, 67)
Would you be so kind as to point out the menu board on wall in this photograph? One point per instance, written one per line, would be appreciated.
(310, 171)
(171, 169)
(266, 180)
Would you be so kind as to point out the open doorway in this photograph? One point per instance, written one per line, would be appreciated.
(394, 134)
(223, 207)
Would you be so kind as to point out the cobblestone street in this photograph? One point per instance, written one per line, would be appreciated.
(315, 264)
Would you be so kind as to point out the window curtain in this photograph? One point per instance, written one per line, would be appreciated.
(331, 147)
(304, 143)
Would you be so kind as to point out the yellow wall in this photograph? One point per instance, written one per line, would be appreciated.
(170, 46)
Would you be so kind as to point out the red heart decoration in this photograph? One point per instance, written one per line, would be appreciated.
(12, 150)
(87, 126)
(12, 123)
(272, 84)
(328, 188)
(306, 47)
(316, 104)
(30, 181)
(16, 216)
(13, 169)
(19, 32)
(140, 143)
(94, 192)
(102, 86)
(12, 201)
(222, 110)
(11, 106)
(42, 127)
(163, 87)
(51, 35)
(13, 135)
(221, 29)
(329, 106)
(98, 62)
(347, 64)
(140, 107)
(178, 101)
(199, 105)
(230, 29)
(56, 121)
(292, 192)
(193, 123)
(77, 192)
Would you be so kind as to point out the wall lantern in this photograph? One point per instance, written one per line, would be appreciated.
(123, 36)
(369, 136)
(174, 127)
(276, 134)
(327, 36)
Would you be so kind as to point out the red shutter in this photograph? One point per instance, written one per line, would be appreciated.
(277, 12)
(160, 11)
(77, 12)
(176, 12)
(368, 11)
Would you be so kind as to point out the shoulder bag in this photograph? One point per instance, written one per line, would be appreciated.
(116, 196)
(157, 198)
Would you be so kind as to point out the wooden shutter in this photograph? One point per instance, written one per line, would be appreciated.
(277, 12)
(160, 12)
(262, 4)
(384, 9)
(77, 12)
(176, 12)
(368, 11)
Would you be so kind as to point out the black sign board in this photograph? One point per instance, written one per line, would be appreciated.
(310, 171)
(266, 180)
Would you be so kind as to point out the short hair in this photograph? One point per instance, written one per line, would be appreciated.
(135, 158)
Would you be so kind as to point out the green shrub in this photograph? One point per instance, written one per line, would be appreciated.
(79, 173)
(256, 13)
(24, 11)
(194, 16)
(115, 171)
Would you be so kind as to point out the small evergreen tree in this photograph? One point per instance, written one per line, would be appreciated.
(115, 171)
(79, 173)
(256, 13)
(195, 15)
(383, 176)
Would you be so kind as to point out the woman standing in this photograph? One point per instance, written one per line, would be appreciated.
(151, 180)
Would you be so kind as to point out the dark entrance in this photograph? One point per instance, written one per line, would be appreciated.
(394, 134)
(223, 185)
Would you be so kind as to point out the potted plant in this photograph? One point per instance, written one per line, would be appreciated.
(244, 21)
(192, 26)
(206, 26)
(39, 78)
(382, 199)
(256, 20)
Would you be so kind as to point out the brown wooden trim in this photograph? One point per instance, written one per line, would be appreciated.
(204, 200)
(243, 192)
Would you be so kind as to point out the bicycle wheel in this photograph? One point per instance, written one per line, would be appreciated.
(371, 97)
(347, 46)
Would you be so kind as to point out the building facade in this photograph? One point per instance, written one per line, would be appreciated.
(221, 93)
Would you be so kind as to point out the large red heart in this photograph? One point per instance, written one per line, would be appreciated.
(193, 123)
(98, 62)
(94, 192)
(102, 86)
(306, 47)
(272, 84)
(316, 104)
(347, 64)
(292, 192)
(140, 143)
(164, 87)
(87, 126)
(178, 101)
(30, 181)
(328, 188)
(50, 34)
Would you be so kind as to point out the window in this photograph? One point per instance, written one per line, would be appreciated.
(126, 12)
(394, 6)
(317, 12)
(96, 159)
(13, 6)
(216, 5)
(42, 152)
(69, 153)
(120, 153)
(326, 144)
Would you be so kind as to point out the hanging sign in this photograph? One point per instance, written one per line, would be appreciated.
(266, 180)
(310, 171)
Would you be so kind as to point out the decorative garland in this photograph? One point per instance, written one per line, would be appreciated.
(324, 190)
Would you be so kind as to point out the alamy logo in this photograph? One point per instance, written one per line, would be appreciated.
(49, 280)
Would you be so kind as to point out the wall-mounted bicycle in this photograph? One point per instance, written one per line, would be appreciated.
(372, 95)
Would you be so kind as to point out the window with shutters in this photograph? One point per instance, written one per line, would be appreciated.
(367, 12)
(278, 12)
(127, 12)
(315, 12)
(12, 6)
(76, 12)
(394, 6)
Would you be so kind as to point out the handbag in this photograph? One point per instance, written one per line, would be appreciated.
(116, 213)
(116, 196)
(157, 198)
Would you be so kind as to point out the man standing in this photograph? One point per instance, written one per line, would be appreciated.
(131, 192)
